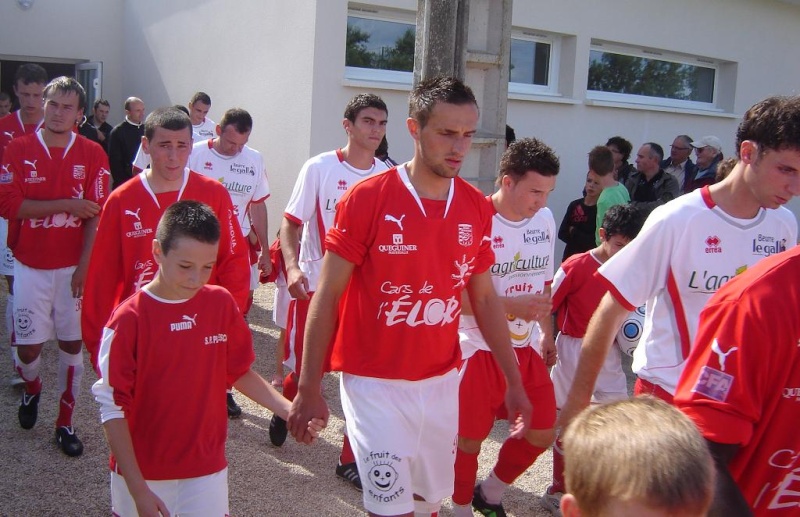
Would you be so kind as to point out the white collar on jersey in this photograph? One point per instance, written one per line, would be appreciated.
(149, 189)
(22, 124)
(40, 136)
(403, 173)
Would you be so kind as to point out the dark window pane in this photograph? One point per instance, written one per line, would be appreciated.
(633, 75)
(530, 62)
(380, 44)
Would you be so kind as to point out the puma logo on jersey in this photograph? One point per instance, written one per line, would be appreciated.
(32, 164)
(393, 219)
(722, 356)
(9, 134)
(134, 214)
(187, 323)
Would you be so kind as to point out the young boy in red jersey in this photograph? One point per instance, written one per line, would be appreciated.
(575, 297)
(176, 335)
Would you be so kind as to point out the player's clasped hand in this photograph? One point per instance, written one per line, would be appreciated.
(531, 307)
(307, 417)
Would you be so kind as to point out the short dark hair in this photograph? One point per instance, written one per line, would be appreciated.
(623, 220)
(362, 101)
(187, 218)
(528, 154)
(238, 118)
(4, 96)
(101, 102)
(65, 85)
(511, 135)
(170, 118)
(657, 149)
(623, 145)
(427, 93)
(601, 161)
(202, 97)
(129, 101)
(181, 107)
(30, 73)
(686, 138)
(773, 123)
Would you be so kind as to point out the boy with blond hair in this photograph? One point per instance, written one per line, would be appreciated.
(647, 458)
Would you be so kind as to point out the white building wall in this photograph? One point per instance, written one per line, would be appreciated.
(70, 30)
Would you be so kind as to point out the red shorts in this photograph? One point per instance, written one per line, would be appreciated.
(643, 387)
(483, 390)
(295, 332)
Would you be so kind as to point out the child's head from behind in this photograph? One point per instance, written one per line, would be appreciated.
(638, 457)
(185, 248)
(621, 224)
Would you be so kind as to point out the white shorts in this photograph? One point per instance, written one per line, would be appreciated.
(611, 383)
(44, 307)
(280, 305)
(6, 257)
(403, 435)
(192, 497)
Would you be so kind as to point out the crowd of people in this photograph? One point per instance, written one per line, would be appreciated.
(443, 309)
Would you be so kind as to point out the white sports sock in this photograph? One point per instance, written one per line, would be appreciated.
(493, 489)
(30, 371)
(65, 361)
(462, 510)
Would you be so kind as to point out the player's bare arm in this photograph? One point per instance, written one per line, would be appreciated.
(260, 220)
(603, 326)
(83, 208)
(296, 281)
(547, 341)
(492, 323)
(320, 326)
(529, 307)
(728, 499)
(79, 276)
(118, 436)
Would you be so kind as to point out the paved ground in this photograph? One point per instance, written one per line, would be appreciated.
(37, 480)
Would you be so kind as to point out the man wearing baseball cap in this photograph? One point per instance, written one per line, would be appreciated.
(708, 151)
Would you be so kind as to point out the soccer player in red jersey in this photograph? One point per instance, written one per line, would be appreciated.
(405, 244)
(53, 186)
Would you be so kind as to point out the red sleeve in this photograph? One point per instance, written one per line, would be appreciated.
(485, 253)
(233, 260)
(723, 387)
(99, 176)
(104, 283)
(353, 229)
(11, 185)
(563, 291)
(117, 364)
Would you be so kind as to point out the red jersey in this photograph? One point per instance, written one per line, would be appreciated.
(32, 171)
(165, 366)
(576, 293)
(11, 127)
(122, 259)
(741, 383)
(398, 317)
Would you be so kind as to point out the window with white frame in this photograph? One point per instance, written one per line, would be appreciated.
(380, 44)
(645, 76)
(533, 62)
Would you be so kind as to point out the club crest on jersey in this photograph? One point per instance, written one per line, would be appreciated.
(713, 244)
(465, 234)
(79, 172)
(187, 323)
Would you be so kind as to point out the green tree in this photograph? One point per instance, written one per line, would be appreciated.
(401, 56)
(639, 76)
(356, 51)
